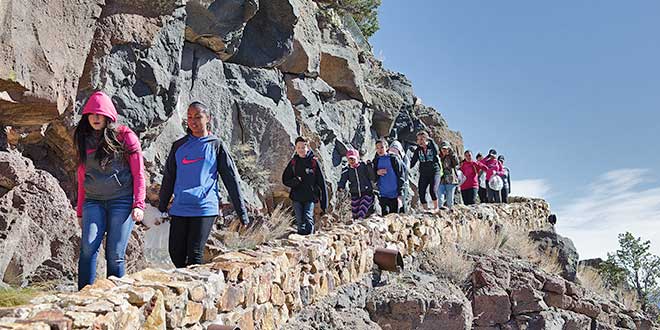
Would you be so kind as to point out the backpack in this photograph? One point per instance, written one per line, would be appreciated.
(314, 164)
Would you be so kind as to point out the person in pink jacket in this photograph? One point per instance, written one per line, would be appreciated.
(494, 168)
(471, 170)
(111, 187)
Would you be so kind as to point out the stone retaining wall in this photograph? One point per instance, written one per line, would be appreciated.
(261, 288)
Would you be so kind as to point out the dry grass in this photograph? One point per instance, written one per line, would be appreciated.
(591, 280)
(478, 238)
(249, 167)
(450, 263)
(11, 297)
(263, 229)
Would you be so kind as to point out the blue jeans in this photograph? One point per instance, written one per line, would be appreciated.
(111, 217)
(304, 217)
(446, 194)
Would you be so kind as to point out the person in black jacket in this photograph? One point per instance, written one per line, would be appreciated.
(360, 176)
(305, 178)
(430, 168)
(389, 170)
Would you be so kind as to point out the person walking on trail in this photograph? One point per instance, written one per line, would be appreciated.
(360, 176)
(506, 177)
(111, 187)
(471, 170)
(449, 179)
(305, 178)
(192, 169)
(397, 149)
(483, 187)
(494, 168)
(430, 169)
(390, 178)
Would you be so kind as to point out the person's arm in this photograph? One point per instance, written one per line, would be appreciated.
(414, 159)
(169, 177)
(320, 182)
(508, 178)
(481, 166)
(136, 164)
(289, 178)
(80, 173)
(229, 175)
(400, 179)
(371, 171)
(341, 185)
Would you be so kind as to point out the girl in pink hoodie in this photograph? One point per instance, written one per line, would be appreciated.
(471, 170)
(494, 168)
(111, 187)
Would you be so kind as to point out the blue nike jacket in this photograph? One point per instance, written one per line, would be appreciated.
(191, 174)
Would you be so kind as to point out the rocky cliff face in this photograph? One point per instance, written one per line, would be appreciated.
(269, 71)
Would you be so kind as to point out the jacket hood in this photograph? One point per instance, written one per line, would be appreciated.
(101, 104)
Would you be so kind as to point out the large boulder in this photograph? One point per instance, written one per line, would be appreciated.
(341, 70)
(219, 25)
(306, 55)
(556, 246)
(268, 37)
(420, 302)
(135, 58)
(42, 48)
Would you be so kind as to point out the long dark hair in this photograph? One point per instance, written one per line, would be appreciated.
(108, 147)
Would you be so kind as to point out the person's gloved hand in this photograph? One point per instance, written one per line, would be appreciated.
(245, 220)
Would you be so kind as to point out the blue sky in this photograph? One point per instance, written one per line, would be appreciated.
(568, 91)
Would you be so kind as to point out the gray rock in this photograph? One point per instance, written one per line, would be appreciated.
(42, 56)
(306, 55)
(567, 255)
(218, 25)
(420, 302)
(268, 37)
(341, 70)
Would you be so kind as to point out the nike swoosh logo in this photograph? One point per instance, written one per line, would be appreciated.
(187, 161)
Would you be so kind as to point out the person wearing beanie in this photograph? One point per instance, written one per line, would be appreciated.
(390, 178)
(506, 177)
(471, 171)
(430, 169)
(193, 168)
(360, 176)
(306, 180)
(111, 187)
(449, 178)
(396, 148)
(494, 168)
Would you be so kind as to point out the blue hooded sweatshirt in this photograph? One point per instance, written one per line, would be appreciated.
(191, 174)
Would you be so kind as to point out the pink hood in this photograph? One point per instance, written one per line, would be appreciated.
(494, 167)
(101, 104)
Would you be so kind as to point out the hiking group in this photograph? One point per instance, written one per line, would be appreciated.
(111, 184)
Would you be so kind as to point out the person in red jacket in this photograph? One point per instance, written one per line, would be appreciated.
(111, 187)
(471, 170)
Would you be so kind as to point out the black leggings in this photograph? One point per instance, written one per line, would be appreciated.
(427, 181)
(188, 237)
(389, 205)
(483, 195)
(469, 196)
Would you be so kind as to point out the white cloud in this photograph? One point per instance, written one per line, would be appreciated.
(538, 188)
(618, 201)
